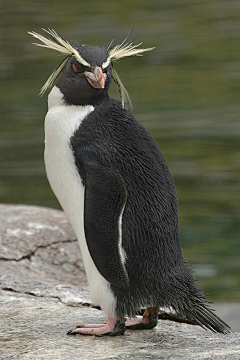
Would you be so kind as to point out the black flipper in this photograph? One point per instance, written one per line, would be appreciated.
(105, 198)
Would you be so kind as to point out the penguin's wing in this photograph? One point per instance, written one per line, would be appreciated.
(104, 201)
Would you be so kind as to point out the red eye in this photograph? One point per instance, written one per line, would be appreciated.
(75, 69)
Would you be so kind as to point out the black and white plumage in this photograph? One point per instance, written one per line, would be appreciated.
(112, 181)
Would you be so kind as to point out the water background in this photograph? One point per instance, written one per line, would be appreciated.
(186, 93)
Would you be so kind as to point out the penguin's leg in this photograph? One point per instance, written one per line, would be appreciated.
(148, 321)
(115, 326)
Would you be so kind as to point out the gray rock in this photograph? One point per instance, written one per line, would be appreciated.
(44, 294)
(39, 253)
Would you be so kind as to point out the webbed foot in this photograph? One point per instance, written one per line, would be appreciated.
(148, 321)
(114, 327)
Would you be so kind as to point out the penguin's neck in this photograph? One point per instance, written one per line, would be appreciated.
(62, 120)
(55, 98)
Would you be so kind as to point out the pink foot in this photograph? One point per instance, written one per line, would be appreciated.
(148, 321)
(133, 321)
(113, 327)
(91, 326)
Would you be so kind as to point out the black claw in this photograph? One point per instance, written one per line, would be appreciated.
(71, 331)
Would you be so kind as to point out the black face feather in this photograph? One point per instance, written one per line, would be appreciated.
(94, 55)
(74, 85)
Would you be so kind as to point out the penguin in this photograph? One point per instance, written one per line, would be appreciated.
(115, 187)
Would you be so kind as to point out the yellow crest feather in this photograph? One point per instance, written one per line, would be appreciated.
(123, 50)
(58, 43)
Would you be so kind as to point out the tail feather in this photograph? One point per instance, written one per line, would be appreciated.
(204, 316)
(190, 302)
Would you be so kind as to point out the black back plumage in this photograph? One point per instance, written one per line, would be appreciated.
(158, 274)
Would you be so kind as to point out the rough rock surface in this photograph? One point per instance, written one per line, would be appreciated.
(43, 293)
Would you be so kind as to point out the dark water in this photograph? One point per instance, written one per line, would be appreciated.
(186, 92)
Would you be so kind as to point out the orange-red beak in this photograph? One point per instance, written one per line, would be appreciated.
(96, 78)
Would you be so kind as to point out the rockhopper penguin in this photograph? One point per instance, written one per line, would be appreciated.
(115, 187)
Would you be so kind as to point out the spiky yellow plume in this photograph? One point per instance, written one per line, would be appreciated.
(115, 52)
(124, 50)
(122, 90)
(59, 44)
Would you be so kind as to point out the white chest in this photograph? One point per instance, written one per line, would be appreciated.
(61, 122)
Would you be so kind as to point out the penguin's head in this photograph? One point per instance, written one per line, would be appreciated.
(86, 70)
(88, 83)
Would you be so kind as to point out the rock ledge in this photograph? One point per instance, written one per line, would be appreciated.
(43, 293)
